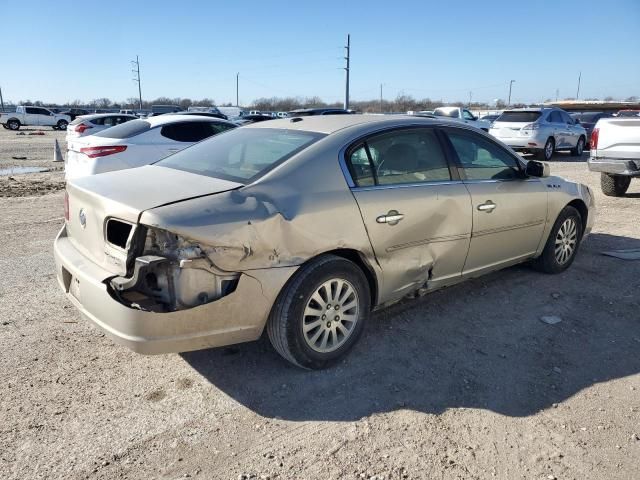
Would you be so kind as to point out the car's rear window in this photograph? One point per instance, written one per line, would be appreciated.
(241, 155)
(125, 130)
(445, 113)
(519, 117)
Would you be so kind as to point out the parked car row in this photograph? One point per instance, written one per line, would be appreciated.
(133, 142)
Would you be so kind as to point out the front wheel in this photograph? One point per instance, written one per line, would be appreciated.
(562, 244)
(320, 313)
(614, 185)
(13, 124)
(61, 125)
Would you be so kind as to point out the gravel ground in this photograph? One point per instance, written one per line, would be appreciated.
(465, 383)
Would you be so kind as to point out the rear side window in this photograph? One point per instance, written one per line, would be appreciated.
(555, 117)
(399, 157)
(191, 131)
(126, 130)
(528, 117)
(480, 159)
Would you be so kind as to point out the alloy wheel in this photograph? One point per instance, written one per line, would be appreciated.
(330, 315)
(566, 241)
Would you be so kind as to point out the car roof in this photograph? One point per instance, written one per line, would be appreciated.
(332, 123)
(172, 118)
(92, 116)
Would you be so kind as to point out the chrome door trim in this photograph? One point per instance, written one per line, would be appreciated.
(405, 185)
(506, 229)
(417, 243)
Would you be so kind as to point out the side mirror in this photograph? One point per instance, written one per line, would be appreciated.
(537, 169)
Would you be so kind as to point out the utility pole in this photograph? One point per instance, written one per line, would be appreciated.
(136, 78)
(381, 98)
(509, 101)
(470, 94)
(578, 92)
(346, 93)
(1, 101)
(237, 89)
(557, 94)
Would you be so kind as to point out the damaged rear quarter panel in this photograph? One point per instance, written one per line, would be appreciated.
(297, 211)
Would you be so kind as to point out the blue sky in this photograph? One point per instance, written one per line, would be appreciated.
(63, 50)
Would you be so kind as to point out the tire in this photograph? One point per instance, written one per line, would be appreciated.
(61, 125)
(4, 125)
(579, 148)
(563, 242)
(13, 124)
(287, 320)
(547, 152)
(614, 185)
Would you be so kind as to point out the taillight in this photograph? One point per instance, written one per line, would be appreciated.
(594, 138)
(93, 152)
(66, 206)
(82, 127)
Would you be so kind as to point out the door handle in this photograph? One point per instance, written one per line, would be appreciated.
(488, 206)
(391, 218)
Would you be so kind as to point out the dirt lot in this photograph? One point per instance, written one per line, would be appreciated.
(465, 383)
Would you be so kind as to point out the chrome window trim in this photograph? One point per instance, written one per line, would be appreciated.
(406, 185)
(342, 154)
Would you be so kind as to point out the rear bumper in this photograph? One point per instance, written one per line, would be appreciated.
(627, 167)
(235, 318)
(522, 143)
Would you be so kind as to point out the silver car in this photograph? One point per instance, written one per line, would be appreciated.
(303, 226)
(540, 131)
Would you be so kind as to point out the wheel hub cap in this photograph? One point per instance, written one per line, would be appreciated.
(324, 333)
(566, 241)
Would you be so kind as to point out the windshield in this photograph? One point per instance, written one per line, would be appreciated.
(125, 130)
(241, 155)
(528, 117)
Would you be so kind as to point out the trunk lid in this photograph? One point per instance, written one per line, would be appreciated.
(122, 196)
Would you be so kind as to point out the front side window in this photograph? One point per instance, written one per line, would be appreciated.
(482, 160)
(32, 111)
(241, 155)
(399, 157)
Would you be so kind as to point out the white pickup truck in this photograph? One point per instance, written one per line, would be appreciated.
(462, 115)
(34, 116)
(615, 153)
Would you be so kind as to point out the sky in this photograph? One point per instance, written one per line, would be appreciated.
(63, 50)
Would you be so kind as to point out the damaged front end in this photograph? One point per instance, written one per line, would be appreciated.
(170, 273)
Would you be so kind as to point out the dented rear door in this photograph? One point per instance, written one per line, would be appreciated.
(418, 218)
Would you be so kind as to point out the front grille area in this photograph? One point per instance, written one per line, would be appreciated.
(118, 232)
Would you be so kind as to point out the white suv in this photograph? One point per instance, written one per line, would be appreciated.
(541, 131)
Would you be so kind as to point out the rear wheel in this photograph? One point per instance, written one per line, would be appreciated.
(13, 124)
(547, 152)
(61, 125)
(614, 185)
(562, 244)
(320, 313)
(579, 148)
